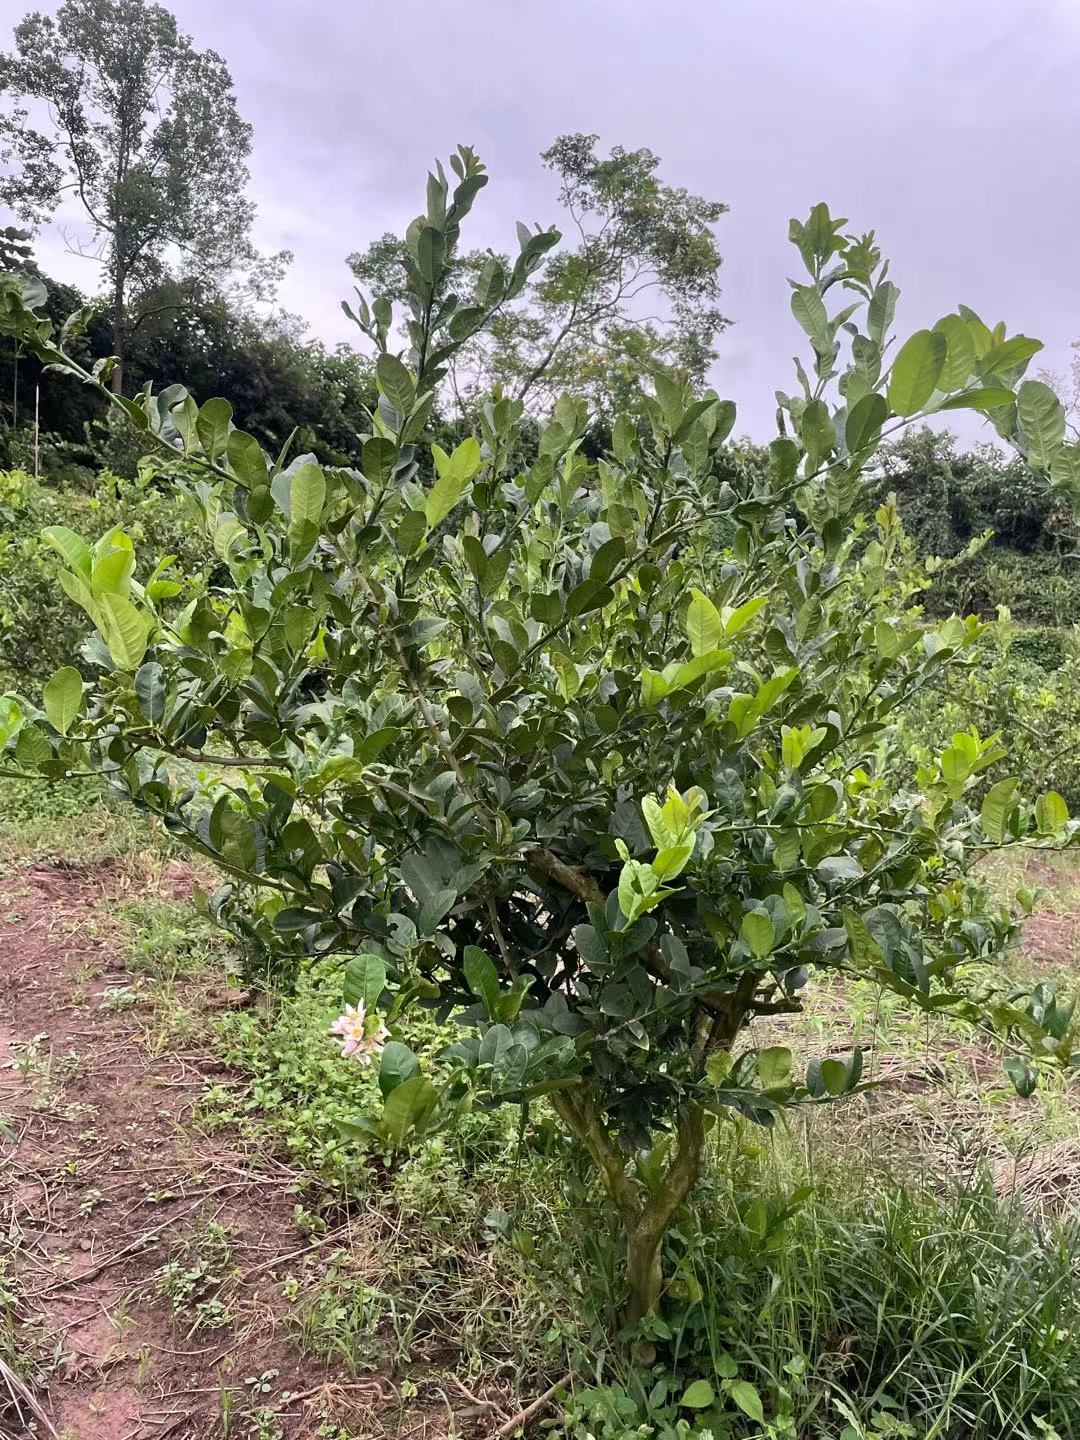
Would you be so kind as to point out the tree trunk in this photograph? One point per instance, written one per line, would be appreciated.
(116, 379)
(645, 1239)
(645, 1222)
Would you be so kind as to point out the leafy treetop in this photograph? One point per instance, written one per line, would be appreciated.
(110, 102)
(639, 289)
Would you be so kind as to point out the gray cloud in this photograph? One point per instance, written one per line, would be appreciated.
(950, 128)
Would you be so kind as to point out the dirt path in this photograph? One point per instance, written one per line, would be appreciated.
(104, 1182)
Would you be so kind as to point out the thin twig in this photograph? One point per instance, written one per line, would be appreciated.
(524, 1416)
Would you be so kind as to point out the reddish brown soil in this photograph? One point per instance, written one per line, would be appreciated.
(115, 1119)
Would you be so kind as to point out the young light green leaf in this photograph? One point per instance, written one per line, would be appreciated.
(880, 311)
(1051, 813)
(982, 397)
(72, 547)
(747, 1399)
(1042, 419)
(455, 472)
(63, 698)
(758, 932)
(704, 628)
(998, 808)
(916, 371)
(960, 352)
(698, 1395)
(125, 631)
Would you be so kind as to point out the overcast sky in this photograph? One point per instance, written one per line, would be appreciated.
(949, 126)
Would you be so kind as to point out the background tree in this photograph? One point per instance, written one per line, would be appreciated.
(638, 288)
(1011, 540)
(110, 104)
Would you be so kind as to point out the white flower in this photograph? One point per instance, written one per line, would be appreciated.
(360, 1034)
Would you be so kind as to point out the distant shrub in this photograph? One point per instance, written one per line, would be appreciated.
(1042, 645)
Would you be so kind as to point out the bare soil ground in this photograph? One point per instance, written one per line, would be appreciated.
(103, 1181)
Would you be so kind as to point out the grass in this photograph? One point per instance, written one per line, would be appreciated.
(863, 1272)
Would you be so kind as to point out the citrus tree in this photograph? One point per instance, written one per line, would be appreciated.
(519, 745)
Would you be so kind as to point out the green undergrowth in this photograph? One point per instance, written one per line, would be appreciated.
(821, 1280)
(846, 1303)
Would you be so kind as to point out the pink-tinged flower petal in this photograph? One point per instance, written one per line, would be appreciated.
(350, 1046)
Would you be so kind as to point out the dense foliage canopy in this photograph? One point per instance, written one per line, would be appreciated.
(518, 744)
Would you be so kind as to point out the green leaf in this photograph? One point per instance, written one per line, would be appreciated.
(364, 981)
(960, 352)
(704, 627)
(758, 932)
(747, 1399)
(408, 1107)
(998, 807)
(916, 371)
(864, 421)
(1042, 418)
(32, 749)
(834, 1076)
(482, 979)
(72, 547)
(1023, 1077)
(1051, 813)
(379, 459)
(63, 698)
(150, 691)
(774, 1066)
(698, 1396)
(983, 397)
(430, 255)
(212, 426)
(246, 459)
(396, 1065)
(395, 382)
(455, 472)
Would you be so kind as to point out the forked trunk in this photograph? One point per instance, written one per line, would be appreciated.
(645, 1220)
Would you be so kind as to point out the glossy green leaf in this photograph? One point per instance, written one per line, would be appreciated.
(1042, 419)
(960, 355)
(704, 627)
(699, 1395)
(454, 474)
(758, 932)
(395, 382)
(916, 371)
(63, 698)
(212, 426)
